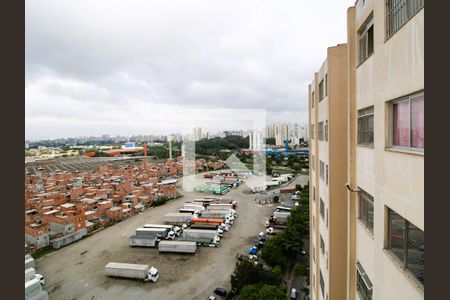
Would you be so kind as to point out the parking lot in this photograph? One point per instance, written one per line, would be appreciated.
(76, 271)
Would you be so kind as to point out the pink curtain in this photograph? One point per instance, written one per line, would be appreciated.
(417, 122)
(401, 123)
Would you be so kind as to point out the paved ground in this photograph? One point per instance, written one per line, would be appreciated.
(73, 275)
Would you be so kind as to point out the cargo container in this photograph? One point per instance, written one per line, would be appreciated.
(152, 232)
(143, 241)
(29, 274)
(205, 226)
(281, 217)
(177, 218)
(29, 262)
(217, 214)
(220, 206)
(132, 271)
(177, 246)
(201, 236)
(206, 220)
(170, 227)
(288, 191)
(188, 210)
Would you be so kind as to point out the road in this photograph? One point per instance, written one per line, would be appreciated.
(76, 271)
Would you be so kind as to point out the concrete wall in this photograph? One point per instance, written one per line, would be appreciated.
(394, 178)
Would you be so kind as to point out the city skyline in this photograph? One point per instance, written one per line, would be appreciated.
(92, 74)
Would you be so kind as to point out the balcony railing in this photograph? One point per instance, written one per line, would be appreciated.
(398, 12)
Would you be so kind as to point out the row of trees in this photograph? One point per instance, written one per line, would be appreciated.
(250, 281)
(215, 145)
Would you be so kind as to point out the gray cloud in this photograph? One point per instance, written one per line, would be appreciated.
(92, 66)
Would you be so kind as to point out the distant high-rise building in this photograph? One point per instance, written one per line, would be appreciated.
(255, 140)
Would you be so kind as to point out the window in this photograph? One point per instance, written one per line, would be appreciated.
(366, 209)
(312, 100)
(314, 253)
(366, 41)
(363, 284)
(320, 131)
(407, 119)
(326, 84)
(326, 175)
(314, 194)
(322, 170)
(326, 130)
(312, 131)
(313, 162)
(314, 224)
(398, 12)
(365, 126)
(406, 243)
(321, 93)
(322, 245)
(327, 218)
(322, 208)
(322, 283)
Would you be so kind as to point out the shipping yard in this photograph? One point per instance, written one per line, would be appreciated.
(77, 271)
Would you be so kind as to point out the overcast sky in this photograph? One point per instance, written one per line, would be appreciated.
(135, 67)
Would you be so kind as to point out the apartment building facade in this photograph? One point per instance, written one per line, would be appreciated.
(385, 156)
(328, 161)
(386, 149)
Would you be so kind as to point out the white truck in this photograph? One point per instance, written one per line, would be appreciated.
(29, 261)
(173, 230)
(281, 217)
(150, 237)
(202, 236)
(220, 206)
(132, 271)
(177, 218)
(216, 214)
(177, 246)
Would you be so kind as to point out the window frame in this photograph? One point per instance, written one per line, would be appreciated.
(312, 99)
(326, 130)
(390, 104)
(403, 263)
(322, 169)
(322, 209)
(399, 23)
(321, 91)
(312, 131)
(363, 33)
(364, 114)
(363, 278)
(320, 131)
(364, 219)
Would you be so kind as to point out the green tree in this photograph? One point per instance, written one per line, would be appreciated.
(246, 273)
(261, 291)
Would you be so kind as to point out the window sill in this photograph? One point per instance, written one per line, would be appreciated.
(405, 151)
(370, 233)
(403, 270)
(365, 59)
(366, 146)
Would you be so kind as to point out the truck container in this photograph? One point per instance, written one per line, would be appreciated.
(177, 218)
(177, 246)
(132, 271)
(32, 287)
(281, 217)
(29, 274)
(152, 232)
(220, 206)
(143, 241)
(197, 207)
(217, 214)
(170, 227)
(284, 208)
(206, 220)
(188, 210)
(200, 235)
(29, 261)
(205, 226)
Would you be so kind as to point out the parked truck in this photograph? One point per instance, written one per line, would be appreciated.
(202, 237)
(217, 214)
(281, 216)
(177, 246)
(149, 237)
(29, 261)
(220, 206)
(132, 271)
(205, 225)
(177, 218)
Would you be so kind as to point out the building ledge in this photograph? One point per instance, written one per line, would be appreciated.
(405, 151)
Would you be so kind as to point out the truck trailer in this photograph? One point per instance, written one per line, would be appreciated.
(201, 236)
(143, 241)
(132, 271)
(220, 206)
(177, 246)
(177, 218)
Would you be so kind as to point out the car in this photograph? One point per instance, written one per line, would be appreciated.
(212, 297)
(220, 292)
(40, 278)
(293, 295)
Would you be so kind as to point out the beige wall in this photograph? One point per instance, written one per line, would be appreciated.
(395, 179)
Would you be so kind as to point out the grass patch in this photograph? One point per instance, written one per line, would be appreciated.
(44, 251)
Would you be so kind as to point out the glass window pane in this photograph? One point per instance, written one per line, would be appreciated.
(401, 123)
(417, 122)
(397, 235)
(416, 252)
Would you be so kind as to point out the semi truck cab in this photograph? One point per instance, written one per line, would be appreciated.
(153, 274)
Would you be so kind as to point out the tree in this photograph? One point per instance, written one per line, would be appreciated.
(261, 291)
(298, 187)
(247, 273)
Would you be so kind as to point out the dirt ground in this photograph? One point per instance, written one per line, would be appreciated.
(76, 271)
